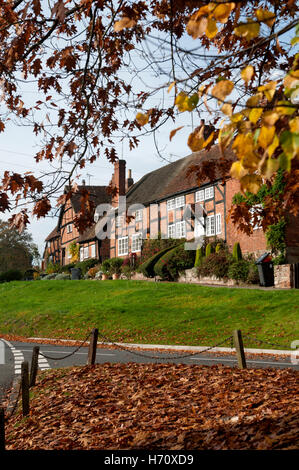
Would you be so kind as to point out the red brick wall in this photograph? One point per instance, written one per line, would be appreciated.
(254, 243)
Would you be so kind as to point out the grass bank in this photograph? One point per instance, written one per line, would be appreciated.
(146, 312)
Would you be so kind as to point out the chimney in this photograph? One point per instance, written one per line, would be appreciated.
(129, 181)
(83, 182)
(119, 180)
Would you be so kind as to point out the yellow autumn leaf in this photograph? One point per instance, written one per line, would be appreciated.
(255, 115)
(174, 131)
(237, 170)
(248, 30)
(251, 183)
(222, 12)
(222, 89)
(250, 160)
(291, 80)
(171, 87)
(270, 118)
(266, 136)
(271, 167)
(271, 149)
(268, 89)
(285, 108)
(254, 100)
(294, 125)
(196, 140)
(265, 16)
(227, 109)
(180, 101)
(211, 29)
(209, 139)
(225, 135)
(142, 119)
(237, 117)
(197, 25)
(124, 23)
(243, 143)
(247, 73)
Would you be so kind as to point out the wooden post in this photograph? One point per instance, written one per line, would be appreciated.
(34, 366)
(2, 429)
(92, 347)
(239, 349)
(25, 387)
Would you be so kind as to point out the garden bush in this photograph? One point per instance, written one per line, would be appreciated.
(239, 270)
(208, 249)
(49, 277)
(199, 257)
(105, 267)
(147, 268)
(115, 265)
(174, 262)
(93, 271)
(86, 265)
(11, 275)
(152, 247)
(237, 253)
(216, 264)
(62, 277)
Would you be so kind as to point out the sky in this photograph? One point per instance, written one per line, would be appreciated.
(18, 145)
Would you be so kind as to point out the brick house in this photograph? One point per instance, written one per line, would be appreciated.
(59, 240)
(158, 202)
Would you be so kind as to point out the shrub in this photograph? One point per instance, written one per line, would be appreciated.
(147, 268)
(115, 265)
(199, 257)
(62, 277)
(86, 265)
(11, 275)
(152, 247)
(67, 268)
(106, 267)
(173, 262)
(253, 274)
(208, 249)
(93, 271)
(237, 253)
(239, 270)
(53, 268)
(218, 248)
(216, 264)
(49, 277)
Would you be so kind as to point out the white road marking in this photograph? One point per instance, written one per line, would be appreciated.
(18, 357)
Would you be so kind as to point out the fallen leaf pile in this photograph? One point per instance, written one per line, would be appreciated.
(154, 406)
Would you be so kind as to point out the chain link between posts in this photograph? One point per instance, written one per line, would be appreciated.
(170, 356)
(67, 355)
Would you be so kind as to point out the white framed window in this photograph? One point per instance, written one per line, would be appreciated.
(210, 226)
(180, 229)
(209, 192)
(119, 221)
(123, 246)
(138, 215)
(69, 228)
(86, 252)
(200, 196)
(180, 201)
(93, 250)
(81, 254)
(253, 210)
(170, 204)
(171, 231)
(218, 224)
(69, 253)
(136, 242)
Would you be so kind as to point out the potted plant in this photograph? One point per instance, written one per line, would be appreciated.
(105, 268)
(115, 267)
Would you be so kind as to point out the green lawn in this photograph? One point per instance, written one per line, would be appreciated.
(148, 312)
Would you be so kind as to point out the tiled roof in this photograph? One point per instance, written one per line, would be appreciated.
(87, 235)
(173, 178)
(54, 234)
(98, 195)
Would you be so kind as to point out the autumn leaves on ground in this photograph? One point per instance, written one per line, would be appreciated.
(134, 406)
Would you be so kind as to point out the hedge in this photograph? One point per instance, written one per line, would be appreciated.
(169, 266)
(147, 268)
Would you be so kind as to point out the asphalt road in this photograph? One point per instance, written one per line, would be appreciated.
(12, 354)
